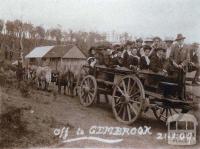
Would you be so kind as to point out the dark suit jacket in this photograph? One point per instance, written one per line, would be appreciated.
(143, 63)
(132, 60)
(125, 59)
(180, 55)
(157, 64)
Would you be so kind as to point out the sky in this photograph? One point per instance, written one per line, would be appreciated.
(138, 17)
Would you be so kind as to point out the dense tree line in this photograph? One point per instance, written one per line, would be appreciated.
(17, 36)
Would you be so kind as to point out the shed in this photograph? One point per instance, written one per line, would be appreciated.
(74, 59)
(55, 55)
(61, 57)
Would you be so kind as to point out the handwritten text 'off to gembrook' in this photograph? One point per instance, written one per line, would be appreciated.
(95, 132)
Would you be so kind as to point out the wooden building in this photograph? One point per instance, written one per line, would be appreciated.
(60, 57)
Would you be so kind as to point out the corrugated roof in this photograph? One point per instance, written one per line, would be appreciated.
(58, 51)
(39, 52)
(75, 53)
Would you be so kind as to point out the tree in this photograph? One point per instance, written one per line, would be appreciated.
(33, 32)
(27, 28)
(10, 28)
(40, 32)
(1, 26)
(47, 34)
(65, 36)
(71, 35)
(56, 33)
(18, 28)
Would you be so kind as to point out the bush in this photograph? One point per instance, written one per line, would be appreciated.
(24, 89)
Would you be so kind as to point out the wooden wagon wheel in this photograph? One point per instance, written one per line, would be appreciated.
(163, 112)
(128, 99)
(88, 90)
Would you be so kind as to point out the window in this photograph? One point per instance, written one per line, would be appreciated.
(172, 125)
(190, 125)
(181, 125)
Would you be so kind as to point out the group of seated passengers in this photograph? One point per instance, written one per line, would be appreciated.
(159, 56)
(128, 57)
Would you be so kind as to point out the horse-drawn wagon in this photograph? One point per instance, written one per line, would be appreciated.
(132, 92)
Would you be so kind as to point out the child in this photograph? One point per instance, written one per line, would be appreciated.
(145, 61)
(133, 59)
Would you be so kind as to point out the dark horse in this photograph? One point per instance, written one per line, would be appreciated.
(67, 80)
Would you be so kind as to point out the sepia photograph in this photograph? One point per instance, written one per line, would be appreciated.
(99, 74)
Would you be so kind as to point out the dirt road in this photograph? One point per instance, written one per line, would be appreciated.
(42, 117)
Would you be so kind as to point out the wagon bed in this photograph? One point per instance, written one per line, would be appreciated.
(130, 94)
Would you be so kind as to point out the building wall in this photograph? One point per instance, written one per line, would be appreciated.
(72, 64)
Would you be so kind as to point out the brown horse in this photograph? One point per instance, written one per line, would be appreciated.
(67, 80)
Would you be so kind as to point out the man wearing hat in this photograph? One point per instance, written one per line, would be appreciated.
(179, 59)
(148, 41)
(194, 62)
(168, 41)
(180, 53)
(157, 62)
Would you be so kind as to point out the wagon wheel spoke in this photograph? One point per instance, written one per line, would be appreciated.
(118, 104)
(133, 108)
(161, 113)
(130, 91)
(137, 92)
(167, 113)
(124, 112)
(124, 86)
(117, 99)
(119, 89)
(120, 109)
(89, 97)
(128, 86)
(134, 101)
(90, 94)
(129, 112)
